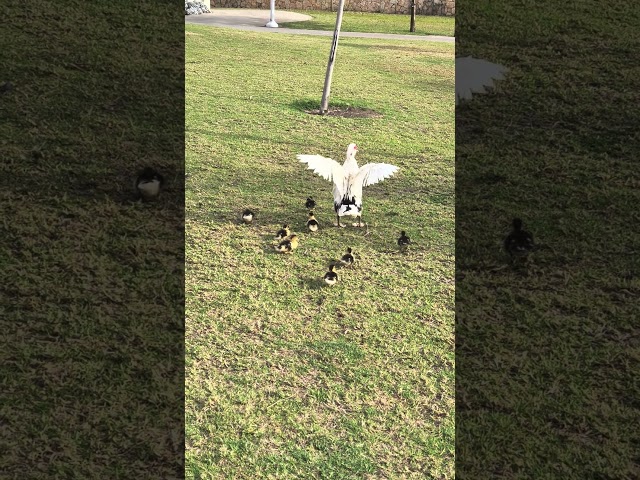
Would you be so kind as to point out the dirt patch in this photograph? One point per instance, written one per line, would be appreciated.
(348, 112)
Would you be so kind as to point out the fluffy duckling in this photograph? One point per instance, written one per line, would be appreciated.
(149, 183)
(331, 277)
(288, 246)
(403, 241)
(347, 258)
(312, 223)
(519, 242)
(247, 216)
(283, 233)
(311, 203)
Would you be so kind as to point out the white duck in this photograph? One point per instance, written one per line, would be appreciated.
(348, 180)
(474, 76)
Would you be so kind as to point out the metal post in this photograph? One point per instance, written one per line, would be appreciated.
(272, 16)
(324, 105)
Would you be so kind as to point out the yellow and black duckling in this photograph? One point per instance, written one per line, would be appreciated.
(331, 277)
(247, 216)
(519, 243)
(347, 258)
(149, 183)
(283, 233)
(311, 203)
(403, 241)
(312, 223)
(289, 245)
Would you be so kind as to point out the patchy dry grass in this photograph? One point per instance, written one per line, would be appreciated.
(546, 355)
(287, 378)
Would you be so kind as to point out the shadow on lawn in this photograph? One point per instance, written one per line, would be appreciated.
(336, 108)
(415, 48)
(315, 283)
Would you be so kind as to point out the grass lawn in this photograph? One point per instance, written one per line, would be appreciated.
(374, 23)
(287, 378)
(91, 289)
(546, 356)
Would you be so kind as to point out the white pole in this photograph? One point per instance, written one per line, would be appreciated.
(324, 105)
(272, 16)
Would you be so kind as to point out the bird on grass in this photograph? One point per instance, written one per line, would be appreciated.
(519, 243)
(247, 216)
(283, 233)
(288, 245)
(311, 203)
(149, 183)
(403, 240)
(475, 76)
(348, 180)
(331, 277)
(347, 258)
(312, 223)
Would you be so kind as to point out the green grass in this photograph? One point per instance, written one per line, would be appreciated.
(91, 283)
(287, 378)
(546, 355)
(374, 23)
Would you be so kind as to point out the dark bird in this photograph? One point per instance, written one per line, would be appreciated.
(312, 223)
(283, 233)
(311, 203)
(149, 183)
(403, 241)
(288, 246)
(331, 277)
(247, 216)
(348, 258)
(519, 243)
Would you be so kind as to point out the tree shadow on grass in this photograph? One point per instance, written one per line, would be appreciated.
(422, 50)
(336, 108)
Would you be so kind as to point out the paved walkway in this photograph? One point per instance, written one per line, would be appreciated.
(255, 20)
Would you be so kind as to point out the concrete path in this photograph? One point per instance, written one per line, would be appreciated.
(255, 20)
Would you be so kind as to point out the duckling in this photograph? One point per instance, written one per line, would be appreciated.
(311, 203)
(283, 233)
(519, 242)
(288, 246)
(312, 223)
(331, 277)
(247, 216)
(403, 241)
(149, 183)
(348, 258)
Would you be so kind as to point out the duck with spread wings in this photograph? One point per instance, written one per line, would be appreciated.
(348, 180)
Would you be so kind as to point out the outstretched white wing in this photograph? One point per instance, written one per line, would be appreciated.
(373, 173)
(325, 167)
(474, 76)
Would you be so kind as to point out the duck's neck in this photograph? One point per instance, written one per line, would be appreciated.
(350, 164)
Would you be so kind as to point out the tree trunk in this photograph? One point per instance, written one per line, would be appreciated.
(324, 104)
(412, 27)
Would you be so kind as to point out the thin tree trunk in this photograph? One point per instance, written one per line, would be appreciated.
(412, 27)
(324, 104)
